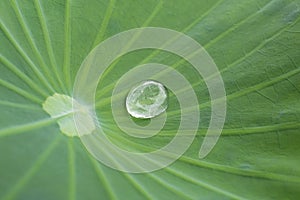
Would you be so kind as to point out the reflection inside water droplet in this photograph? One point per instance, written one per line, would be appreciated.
(147, 99)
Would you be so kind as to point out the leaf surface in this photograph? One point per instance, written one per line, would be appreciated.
(255, 45)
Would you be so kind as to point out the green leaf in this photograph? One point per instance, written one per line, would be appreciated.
(255, 45)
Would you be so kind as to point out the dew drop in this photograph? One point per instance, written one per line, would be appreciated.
(147, 99)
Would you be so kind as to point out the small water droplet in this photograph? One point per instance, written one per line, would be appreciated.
(147, 99)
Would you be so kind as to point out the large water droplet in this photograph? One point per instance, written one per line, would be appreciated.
(147, 100)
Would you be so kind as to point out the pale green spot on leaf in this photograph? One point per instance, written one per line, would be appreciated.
(62, 105)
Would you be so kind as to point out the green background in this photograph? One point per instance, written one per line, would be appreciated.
(256, 46)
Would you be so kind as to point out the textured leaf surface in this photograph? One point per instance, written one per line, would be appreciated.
(255, 44)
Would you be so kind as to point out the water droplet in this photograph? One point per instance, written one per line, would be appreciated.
(147, 100)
